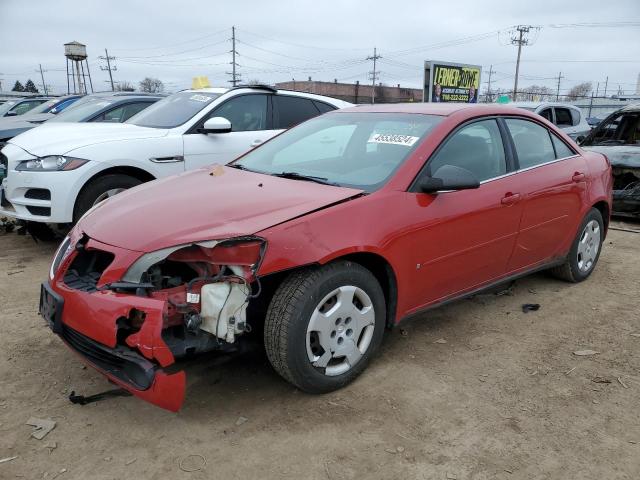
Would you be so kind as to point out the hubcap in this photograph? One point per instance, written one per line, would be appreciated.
(588, 246)
(340, 330)
(108, 194)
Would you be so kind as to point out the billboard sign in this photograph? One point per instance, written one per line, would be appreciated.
(451, 82)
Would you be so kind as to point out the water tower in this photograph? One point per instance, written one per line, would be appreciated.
(76, 54)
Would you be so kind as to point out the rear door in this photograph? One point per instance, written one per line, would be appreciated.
(251, 123)
(552, 178)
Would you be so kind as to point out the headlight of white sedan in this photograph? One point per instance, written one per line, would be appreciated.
(50, 163)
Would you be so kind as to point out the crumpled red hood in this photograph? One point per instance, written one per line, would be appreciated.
(205, 204)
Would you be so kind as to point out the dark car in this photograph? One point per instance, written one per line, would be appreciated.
(618, 137)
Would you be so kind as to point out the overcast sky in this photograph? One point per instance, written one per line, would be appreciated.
(278, 41)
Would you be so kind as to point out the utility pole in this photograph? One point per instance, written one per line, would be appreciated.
(374, 74)
(234, 75)
(605, 86)
(108, 67)
(560, 77)
(520, 40)
(44, 85)
(489, 97)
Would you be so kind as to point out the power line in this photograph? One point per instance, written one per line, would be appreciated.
(520, 40)
(235, 77)
(374, 74)
(174, 44)
(108, 67)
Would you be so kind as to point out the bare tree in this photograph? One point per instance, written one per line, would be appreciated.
(124, 86)
(580, 90)
(534, 93)
(151, 85)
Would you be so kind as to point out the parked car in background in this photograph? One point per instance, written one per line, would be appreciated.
(113, 108)
(12, 126)
(593, 121)
(59, 171)
(618, 137)
(20, 106)
(318, 240)
(565, 116)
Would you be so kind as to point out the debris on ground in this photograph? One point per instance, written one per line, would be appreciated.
(451, 476)
(241, 420)
(82, 400)
(129, 462)
(621, 382)
(51, 446)
(585, 353)
(635, 335)
(404, 333)
(600, 380)
(570, 370)
(194, 463)
(43, 427)
(440, 340)
(530, 307)
(8, 459)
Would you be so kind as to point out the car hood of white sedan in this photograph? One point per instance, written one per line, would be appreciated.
(61, 138)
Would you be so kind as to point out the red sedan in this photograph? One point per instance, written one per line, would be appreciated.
(322, 238)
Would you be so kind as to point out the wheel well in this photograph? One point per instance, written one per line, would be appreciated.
(377, 265)
(134, 172)
(603, 208)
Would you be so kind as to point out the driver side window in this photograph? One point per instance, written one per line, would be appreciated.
(476, 147)
(246, 112)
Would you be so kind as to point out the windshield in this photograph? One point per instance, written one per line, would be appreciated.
(174, 110)
(44, 107)
(359, 150)
(6, 106)
(81, 111)
(619, 129)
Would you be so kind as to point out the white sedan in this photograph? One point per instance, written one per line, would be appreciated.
(57, 172)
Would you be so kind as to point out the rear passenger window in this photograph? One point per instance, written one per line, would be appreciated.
(476, 147)
(563, 117)
(546, 113)
(562, 151)
(532, 142)
(291, 111)
(323, 107)
(134, 108)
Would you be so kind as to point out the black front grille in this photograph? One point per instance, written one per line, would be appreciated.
(38, 194)
(121, 362)
(86, 269)
(39, 211)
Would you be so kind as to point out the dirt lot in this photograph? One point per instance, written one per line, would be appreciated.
(504, 397)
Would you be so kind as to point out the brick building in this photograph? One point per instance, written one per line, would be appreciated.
(354, 92)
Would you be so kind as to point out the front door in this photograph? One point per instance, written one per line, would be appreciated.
(462, 240)
(250, 126)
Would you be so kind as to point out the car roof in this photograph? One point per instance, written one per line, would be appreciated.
(321, 98)
(631, 108)
(540, 104)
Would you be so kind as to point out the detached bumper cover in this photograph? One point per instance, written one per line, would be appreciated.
(88, 324)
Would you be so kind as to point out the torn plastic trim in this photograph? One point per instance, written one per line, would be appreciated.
(135, 273)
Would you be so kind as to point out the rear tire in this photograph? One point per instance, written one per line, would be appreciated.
(310, 348)
(100, 189)
(585, 250)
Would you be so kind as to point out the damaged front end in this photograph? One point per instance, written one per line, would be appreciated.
(137, 319)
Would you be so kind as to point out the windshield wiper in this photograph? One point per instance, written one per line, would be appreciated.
(308, 178)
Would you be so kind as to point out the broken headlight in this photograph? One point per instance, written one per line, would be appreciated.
(246, 252)
(50, 163)
(62, 253)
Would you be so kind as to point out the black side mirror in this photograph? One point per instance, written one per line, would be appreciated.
(448, 178)
(580, 139)
(11, 114)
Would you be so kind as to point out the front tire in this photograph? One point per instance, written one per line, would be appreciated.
(324, 324)
(585, 250)
(100, 189)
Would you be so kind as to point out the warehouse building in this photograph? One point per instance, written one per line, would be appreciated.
(354, 92)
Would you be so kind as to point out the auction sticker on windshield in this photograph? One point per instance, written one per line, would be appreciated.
(406, 140)
(200, 98)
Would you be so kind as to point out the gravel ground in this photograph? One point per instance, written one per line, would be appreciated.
(474, 390)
